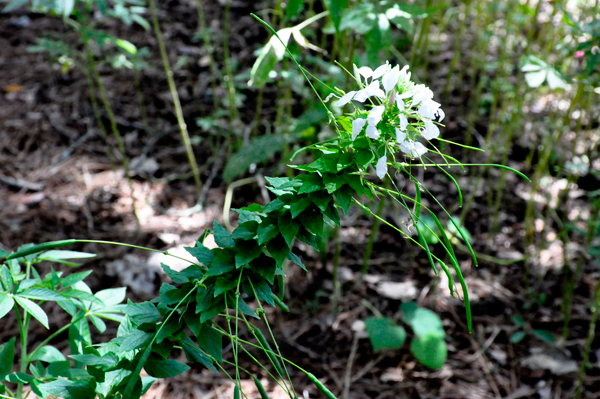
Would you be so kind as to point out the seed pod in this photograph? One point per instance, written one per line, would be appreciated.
(320, 386)
(281, 284)
(265, 344)
(261, 389)
(279, 303)
(236, 392)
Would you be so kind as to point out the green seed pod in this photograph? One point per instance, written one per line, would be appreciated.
(281, 284)
(261, 389)
(320, 386)
(265, 344)
(279, 303)
(236, 392)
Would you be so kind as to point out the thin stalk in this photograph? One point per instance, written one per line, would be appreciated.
(337, 289)
(369, 248)
(23, 327)
(176, 103)
(417, 48)
(589, 341)
(457, 47)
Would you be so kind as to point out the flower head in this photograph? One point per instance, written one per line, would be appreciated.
(381, 167)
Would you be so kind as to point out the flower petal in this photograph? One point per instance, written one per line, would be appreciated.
(400, 136)
(366, 72)
(403, 122)
(428, 109)
(390, 79)
(423, 93)
(369, 91)
(431, 131)
(440, 114)
(381, 167)
(400, 103)
(346, 98)
(357, 126)
(375, 115)
(419, 149)
(372, 132)
(377, 73)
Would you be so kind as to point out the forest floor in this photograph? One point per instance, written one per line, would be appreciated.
(56, 182)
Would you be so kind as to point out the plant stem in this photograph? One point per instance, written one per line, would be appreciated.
(176, 103)
(369, 248)
(228, 76)
(589, 341)
(209, 52)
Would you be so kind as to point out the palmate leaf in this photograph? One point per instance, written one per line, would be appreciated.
(6, 304)
(160, 368)
(430, 351)
(384, 333)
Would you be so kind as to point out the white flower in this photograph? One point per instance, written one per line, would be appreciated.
(404, 74)
(429, 109)
(400, 136)
(441, 115)
(423, 93)
(431, 131)
(390, 79)
(381, 167)
(357, 126)
(414, 149)
(369, 91)
(403, 122)
(400, 104)
(377, 73)
(346, 98)
(372, 132)
(375, 115)
(366, 72)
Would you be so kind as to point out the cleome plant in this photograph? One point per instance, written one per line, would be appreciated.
(391, 128)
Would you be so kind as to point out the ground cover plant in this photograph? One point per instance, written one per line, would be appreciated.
(517, 79)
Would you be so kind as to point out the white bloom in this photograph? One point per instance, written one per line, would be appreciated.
(357, 126)
(400, 104)
(414, 149)
(366, 72)
(372, 132)
(390, 79)
(369, 91)
(400, 136)
(377, 73)
(441, 115)
(375, 115)
(423, 93)
(403, 122)
(381, 167)
(428, 109)
(346, 98)
(404, 74)
(431, 131)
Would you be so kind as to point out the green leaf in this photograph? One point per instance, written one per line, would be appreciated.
(204, 255)
(299, 203)
(177, 277)
(224, 262)
(267, 230)
(326, 163)
(104, 363)
(7, 357)
(74, 278)
(19, 378)
(71, 389)
(211, 341)
(320, 198)
(517, 337)
(245, 231)
(33, 309)
(222, 236)
(193, 354)
(136, 339)
(288, 228)
(82, 296)
(160, 368)
(310, 183)
(259, 150)
(41, 294)
(60, 255)
(344, 196)
(6, 304)
(332, 213)
(424, 322)
(265, 266)
(278, 249)
(335, 9)
(6, 277)
(48, 354)
(111, 297)
(428, 229)
(430, 351)
(544, 335)
(312, 219)
(224, 284)
(39, 248)
(333, 182)
(364, 157)
(274, 205)
(246, 251)
(308, 238)
(294, 258)
(384, 333)
(292, 8)
(140, 313)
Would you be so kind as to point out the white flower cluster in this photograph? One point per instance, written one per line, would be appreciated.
(399, 100)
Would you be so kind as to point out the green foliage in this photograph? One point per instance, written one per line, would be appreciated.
(259, 150)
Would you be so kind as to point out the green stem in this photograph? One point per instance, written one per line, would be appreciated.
(175, 96)
(23, 327)
(589, 341)
(369, 248)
